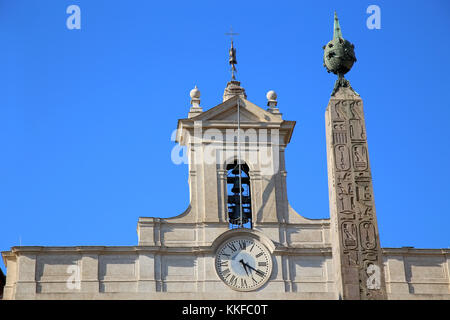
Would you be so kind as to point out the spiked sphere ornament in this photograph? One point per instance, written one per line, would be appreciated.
(339, 56)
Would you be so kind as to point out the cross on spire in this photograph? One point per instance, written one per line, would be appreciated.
(231, 33)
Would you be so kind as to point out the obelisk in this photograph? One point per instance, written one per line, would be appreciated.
(357, 255)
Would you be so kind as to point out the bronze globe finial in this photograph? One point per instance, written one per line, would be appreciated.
(339, 56)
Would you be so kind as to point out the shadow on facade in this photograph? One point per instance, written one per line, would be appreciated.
(2, 283)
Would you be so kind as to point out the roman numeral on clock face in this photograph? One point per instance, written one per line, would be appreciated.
(226, 272)
(232, 247)
(260, 273)
(259, 255)
(262, 264)
(242, 245)
(233, 280)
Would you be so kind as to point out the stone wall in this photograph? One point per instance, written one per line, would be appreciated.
(186, 273)
(156, 273)
(417, 273)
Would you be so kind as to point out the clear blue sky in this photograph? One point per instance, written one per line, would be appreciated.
(86, 115)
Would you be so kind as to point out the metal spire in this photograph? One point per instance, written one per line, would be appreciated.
(232, 53)
(337, 28)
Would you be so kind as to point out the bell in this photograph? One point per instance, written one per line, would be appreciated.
(235, 213)
(235, 170)
(235, 188)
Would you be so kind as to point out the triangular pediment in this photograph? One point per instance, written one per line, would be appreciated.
(231, 114)
(227, 112)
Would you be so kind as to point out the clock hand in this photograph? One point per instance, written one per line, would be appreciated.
(244, 265)
(257, 271)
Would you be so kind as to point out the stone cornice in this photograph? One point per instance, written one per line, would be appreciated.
(206, 249)
(312, 223)
(415, 251)
(306, 249)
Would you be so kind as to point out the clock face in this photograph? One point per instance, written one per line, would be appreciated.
(244, 264)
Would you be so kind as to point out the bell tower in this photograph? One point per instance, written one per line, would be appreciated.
(237, 174)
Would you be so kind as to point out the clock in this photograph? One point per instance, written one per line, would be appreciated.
(243, 263)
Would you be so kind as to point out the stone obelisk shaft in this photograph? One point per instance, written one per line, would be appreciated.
(357, 255)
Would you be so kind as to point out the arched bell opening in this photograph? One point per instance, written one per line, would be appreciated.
(239, 196)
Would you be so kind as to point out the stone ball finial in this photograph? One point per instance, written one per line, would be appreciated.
(271, 95)
(272, 100)
(195, 93)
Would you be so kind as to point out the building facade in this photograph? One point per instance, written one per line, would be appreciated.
(240, 238)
